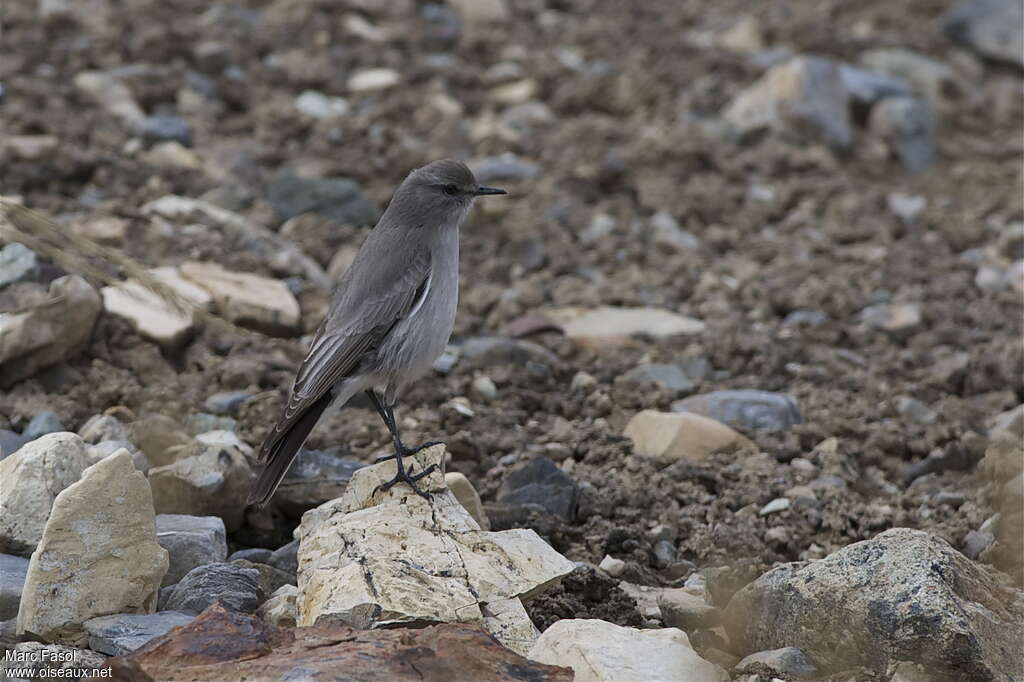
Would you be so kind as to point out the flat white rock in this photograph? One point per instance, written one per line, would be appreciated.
(599, 651)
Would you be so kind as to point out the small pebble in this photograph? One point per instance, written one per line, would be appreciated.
(42, 424)
(485, 388)
(612, 566)
(777, 505)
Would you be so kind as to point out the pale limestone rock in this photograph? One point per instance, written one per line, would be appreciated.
(49, 332)
(280, 610)
(668, 436)
(30, 479)
(480, 11)
(246, 299)
(213, 483)
(599, 651)
(373, 80)
(515, 92)
(172, 155)
(109, 230)
(149, 314)
(608, 325)
(468, 497)
(98, 555)
(113, 95)
(30, 147)
(508, 621)
(372, 558)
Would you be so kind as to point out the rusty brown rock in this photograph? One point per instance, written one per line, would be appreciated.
(223, 645)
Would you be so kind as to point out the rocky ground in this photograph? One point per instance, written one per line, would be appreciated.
(754, 296)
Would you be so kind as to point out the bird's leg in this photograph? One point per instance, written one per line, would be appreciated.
(387, 414)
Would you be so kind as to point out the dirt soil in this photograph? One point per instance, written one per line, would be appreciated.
(625, 140)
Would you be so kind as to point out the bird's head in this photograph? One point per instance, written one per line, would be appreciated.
(441, 191)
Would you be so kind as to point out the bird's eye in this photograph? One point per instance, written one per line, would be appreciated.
(450, 190)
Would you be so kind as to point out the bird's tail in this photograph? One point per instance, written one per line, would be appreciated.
(279, 450)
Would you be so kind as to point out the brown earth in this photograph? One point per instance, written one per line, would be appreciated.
(627, 141)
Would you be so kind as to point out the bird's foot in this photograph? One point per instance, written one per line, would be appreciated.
(408, 477)
(408, 452)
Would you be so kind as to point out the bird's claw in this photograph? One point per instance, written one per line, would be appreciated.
(408, 477)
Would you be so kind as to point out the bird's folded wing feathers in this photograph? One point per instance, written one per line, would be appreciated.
(361, 318)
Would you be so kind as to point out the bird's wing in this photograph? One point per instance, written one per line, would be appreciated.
(366, 307)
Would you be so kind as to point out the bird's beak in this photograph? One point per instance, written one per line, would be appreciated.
(482, 191)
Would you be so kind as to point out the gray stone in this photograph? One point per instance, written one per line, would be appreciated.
(106, 448)
(42, 424)
(235, 586)
(899, 320)
(484, 351)
(13, 570)
(670, 377)
(682, 609)
(286, 557)
(202, 422)
(257, 555)
(505, 166)
(914, 410)
(270, 580)
(541, 484)
(664, 553)
(928, 78)
(992, 28)
(102, 427)
(867, 87)
(668, 233)
(906, 207)
(226, 402)
(320, 106)
(315, 477)
(123, 633)
(49, 330)
(907, 125)
(789, 663)
(805, 318)
(339, 199)
(18, 263)
(190, 541)
(976, 542)
(903, 595)
(803, 98)
(164, 128)
(745, 409)
(11, 442)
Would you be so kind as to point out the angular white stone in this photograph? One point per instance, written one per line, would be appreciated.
(30, 479)
(212, 483)
(98, 555)
(599, 651)
(508, 621)
(372, 80)
(149, 314)
(468, 497)
(47, 333)
(280, 610)
(607, 323)
(668, 436)
(246, 299)
(373, 558)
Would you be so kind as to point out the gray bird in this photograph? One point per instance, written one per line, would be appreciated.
(390, 318)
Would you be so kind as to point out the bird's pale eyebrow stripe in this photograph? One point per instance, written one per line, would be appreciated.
(424, 290)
